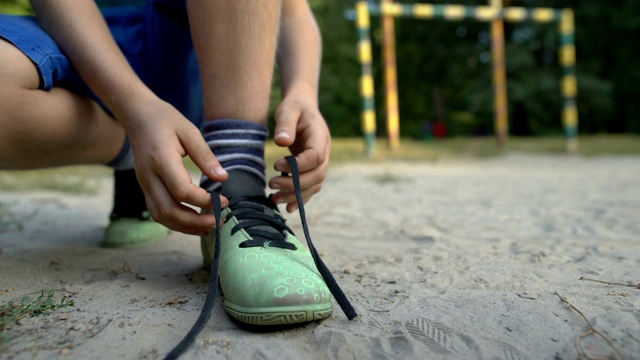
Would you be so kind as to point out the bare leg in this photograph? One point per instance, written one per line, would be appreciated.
(49, 128)
(236, 45)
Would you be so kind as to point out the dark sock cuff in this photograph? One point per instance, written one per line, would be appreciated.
(128, 197)
(124, 160)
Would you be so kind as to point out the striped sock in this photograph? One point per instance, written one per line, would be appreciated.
(124, 160)
(238, 145)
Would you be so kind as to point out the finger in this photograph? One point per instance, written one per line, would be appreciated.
(203, 157)
(315, 153)
(287, 118)
(200, 230)
(224, 202)
(165, 210)
(312, 156)
(176, 179)
(307, 180)
(153, 210)
(287, 197)
(290, 198)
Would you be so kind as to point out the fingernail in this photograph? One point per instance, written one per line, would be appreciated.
(283, 135)
(219, 171)
(276, 186)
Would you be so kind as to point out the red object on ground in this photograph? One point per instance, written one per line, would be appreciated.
(439, 129)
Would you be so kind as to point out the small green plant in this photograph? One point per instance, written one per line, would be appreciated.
(11, 311)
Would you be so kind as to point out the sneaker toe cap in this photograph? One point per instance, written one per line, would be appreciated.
(275, 281)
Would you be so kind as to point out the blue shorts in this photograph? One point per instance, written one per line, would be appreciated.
(155, 38)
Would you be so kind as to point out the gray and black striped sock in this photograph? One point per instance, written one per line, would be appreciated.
(239, 147)
(124, 160)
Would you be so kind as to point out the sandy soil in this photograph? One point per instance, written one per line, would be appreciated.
(455, 260)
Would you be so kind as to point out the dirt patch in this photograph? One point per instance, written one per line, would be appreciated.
(441, 260)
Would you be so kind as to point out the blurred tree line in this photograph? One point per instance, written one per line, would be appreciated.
(444, 69)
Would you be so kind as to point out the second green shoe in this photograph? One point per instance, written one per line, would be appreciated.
(129, 233)
(267, 276)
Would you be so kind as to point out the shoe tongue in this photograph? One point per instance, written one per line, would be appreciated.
(242, 183)
(267, 211)
(245, 184)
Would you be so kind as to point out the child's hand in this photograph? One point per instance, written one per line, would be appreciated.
(161, 137)
(301, 128)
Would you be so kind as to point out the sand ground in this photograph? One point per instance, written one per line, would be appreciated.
(443, 260)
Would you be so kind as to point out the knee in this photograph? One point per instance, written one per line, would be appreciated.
(18, 76)
(17, 71)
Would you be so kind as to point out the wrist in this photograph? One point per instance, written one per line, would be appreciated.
(133, 105)
(301, 89)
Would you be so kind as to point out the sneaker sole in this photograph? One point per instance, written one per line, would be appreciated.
(279, 315)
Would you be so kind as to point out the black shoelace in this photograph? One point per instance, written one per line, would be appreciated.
(258, 217)
(251, 211)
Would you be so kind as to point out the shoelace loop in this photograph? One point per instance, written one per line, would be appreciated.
(263, 237)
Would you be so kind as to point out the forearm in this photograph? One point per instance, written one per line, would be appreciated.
(81, 31)
(299, 49)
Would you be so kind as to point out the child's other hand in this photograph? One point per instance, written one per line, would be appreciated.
(301, 128)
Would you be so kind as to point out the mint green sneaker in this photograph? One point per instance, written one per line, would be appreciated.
(267, 276)
(127, 233)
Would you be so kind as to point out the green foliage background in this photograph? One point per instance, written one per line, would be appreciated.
(15, 7)
(450, 61)
(453, 59)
